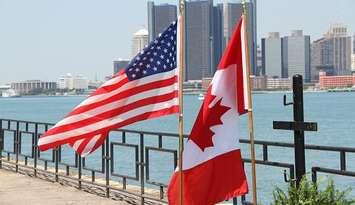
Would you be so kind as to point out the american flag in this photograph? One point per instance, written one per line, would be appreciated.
(145, 89)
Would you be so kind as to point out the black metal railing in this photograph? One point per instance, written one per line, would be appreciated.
(146, 149)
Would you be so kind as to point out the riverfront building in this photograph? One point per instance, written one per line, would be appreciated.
(139, 41)
(26, 87)
(159, 18)
(274, 83)
(330, 82)
(71, 82)
(258, 82)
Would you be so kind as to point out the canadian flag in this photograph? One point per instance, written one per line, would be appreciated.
(212, 167)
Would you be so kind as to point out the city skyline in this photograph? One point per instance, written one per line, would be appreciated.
(42, 40)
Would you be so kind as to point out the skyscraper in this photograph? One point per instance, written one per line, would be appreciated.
(217, 36)
(159, 18)
(231, 14)
(198, 39)
(208, 29)
(272, 55)
(332, 52)
(340, 48)
(296, 55)
(139, 41)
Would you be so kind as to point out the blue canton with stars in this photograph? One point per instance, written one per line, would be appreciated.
(158, 57)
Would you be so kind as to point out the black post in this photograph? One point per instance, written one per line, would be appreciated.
(298, 116)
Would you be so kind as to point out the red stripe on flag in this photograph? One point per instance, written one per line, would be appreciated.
(112, 113)
(211, 182)
(144, 116)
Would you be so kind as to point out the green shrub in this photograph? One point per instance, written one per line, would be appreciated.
(308, 193)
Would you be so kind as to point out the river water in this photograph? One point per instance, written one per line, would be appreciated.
(334, 113)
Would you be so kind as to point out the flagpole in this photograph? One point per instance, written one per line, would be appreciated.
(250, 110)
(181, 63)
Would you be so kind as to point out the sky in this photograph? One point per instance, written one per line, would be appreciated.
(44, 39)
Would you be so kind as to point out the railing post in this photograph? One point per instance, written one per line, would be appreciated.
(17, 136)
(57, 155)
(265, 153)
(107, 163)
(235, 201)
(142, 166)
(314, 174)
(79, 171)
(36, 151)
(342, 161)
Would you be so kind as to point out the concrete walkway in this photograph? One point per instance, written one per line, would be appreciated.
(18, 189)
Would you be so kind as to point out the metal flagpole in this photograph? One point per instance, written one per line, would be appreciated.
(181, 63)
(250, 110)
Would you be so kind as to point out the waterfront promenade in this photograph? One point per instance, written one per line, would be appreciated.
(19, 189)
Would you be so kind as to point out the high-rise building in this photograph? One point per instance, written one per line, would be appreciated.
(159, 18)
(139, 41)
(198, 39)
(208, 30)
(332, 52)
(231, 14)
(217, 36)
(272, 55)
(119, 65)
(296, 55)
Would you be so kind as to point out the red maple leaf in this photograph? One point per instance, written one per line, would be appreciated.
(201, 132)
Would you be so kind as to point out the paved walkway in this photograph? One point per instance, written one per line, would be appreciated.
(18, 189)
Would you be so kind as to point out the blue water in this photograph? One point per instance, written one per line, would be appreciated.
(334, 113)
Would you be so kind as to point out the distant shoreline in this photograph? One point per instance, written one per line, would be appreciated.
(195, 92)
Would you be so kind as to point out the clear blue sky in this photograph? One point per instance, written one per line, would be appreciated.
(43, 39)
